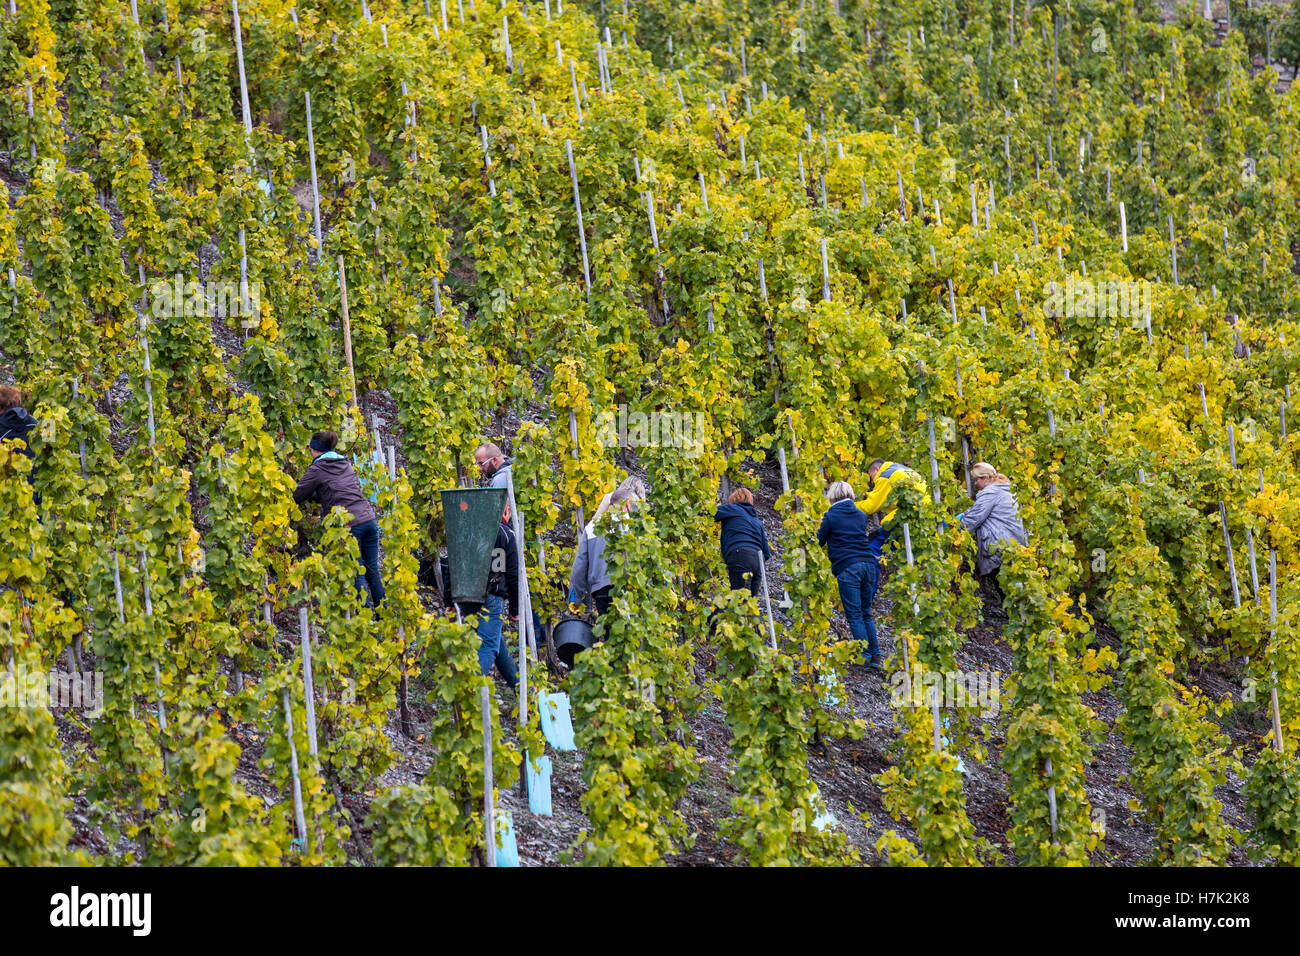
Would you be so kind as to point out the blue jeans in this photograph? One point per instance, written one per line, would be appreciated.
(367, 535)
(492, 643)
(857, 589)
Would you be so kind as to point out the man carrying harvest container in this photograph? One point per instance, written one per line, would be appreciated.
(502, 591)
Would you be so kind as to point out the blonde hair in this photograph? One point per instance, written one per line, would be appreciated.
(839, 491)
(984, 470)
(630, 491)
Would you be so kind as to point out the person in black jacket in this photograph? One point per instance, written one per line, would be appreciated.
(330, 480)
(744, 541)
(502, 590)
(855, 563)
(17, 423)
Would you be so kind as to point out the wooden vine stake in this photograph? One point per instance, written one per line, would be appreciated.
(157, 673)
(1173, 251)
(577, 100)
(315, 191)
(347, 330)
(577, 205)
(934, 713)
(1232, 561)
(1051, 799)
(526, 637)
(1254, 573)
(243, 82)
(916, 608)
(135, 15)
(654, 239)
(1272, 621)
(489, 812)
(786, 603)
(934, 462)
(144, 343)
(121, 610)
(121, 620)
(403, 693)
(308, 686)
(767, 604)
(573, 436)
(826, 277)
(1051, 431)
(299, 818)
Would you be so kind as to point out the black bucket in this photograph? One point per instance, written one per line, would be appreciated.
(570, 637)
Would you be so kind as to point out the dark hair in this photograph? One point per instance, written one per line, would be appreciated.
(741, 496)
(10, 397)
(328, 439)
(876, 463)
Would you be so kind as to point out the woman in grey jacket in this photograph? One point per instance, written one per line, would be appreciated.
(994, 517)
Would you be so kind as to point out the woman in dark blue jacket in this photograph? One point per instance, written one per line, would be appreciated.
(744, 541)
(17, 423)
(855, 564)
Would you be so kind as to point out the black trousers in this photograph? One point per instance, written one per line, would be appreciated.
(993, 591)
(742, 563)
(600, 599)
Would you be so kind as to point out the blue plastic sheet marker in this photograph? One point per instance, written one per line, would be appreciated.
(507, 848)
(557, 724)
(824, 819)
(539, 785)
(961, 764)
(830, 686)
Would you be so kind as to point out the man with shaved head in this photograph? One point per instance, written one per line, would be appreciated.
(490, 460)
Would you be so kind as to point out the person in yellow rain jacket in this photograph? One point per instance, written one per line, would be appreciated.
(885, 476)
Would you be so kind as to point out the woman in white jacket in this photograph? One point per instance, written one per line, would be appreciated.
(589, 581)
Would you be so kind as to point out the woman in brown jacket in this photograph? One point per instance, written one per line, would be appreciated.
(330, 480)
